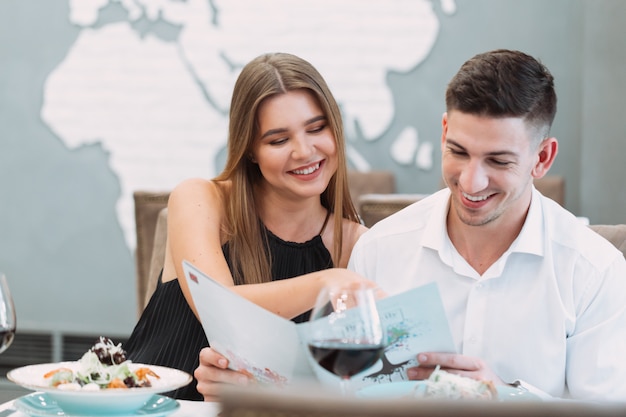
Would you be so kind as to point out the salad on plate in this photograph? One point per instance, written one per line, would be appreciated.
(449, 386)
(104, 366)
(103, 382)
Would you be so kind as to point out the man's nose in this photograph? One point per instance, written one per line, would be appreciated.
(474, 178)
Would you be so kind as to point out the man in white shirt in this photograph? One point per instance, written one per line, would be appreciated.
(533, 296)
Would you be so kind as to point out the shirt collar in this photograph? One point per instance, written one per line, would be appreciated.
(529, 240)
(436, 231)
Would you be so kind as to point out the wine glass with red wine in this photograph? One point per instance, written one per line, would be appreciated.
(7, 315)
(345, 336)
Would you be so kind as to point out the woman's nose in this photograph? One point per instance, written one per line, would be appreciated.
(303, 148)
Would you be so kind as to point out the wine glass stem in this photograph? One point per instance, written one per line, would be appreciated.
(344, 386)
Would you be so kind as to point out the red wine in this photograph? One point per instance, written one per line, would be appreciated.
(6, 337)
(345, 359)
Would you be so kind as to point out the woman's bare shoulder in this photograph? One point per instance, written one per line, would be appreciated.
(199, 191)
(352, 231)
(194, 185)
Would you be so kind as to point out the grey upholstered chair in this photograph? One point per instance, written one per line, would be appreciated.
(148, 206)
(375, 207)
(614, 233)
(377, 181)
(552, 186)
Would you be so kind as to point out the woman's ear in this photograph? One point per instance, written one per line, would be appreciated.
(547, 150)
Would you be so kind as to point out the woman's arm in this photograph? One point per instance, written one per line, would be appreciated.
(290, 297)
(194, 233)
(196, 220)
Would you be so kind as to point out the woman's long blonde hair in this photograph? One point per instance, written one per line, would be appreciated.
(265, 76)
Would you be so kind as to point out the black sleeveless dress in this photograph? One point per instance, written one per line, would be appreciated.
(169, 334)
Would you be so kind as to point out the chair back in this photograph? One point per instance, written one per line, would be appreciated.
(157, 257)
(552, 186)
(375, 207)
(148, 205)
(377, 181)
(614, 233)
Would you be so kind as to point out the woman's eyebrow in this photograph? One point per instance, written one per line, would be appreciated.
(315, 119)
(281, 130)
(273, 132)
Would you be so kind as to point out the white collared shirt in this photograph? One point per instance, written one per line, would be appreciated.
(551, 311)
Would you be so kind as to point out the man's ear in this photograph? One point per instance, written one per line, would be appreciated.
(444, 129)
(547, 150)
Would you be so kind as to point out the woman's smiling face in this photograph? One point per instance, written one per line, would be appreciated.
(295, 149)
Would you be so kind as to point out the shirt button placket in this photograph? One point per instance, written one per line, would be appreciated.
(475, 316)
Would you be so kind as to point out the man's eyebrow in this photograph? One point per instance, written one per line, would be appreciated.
(494, 153)
(283, 130)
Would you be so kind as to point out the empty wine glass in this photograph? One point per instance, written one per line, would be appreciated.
(345, 335)
(7, 315)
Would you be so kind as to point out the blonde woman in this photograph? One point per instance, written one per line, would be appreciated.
(276, 225)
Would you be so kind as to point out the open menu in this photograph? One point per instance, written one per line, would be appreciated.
(273, 350)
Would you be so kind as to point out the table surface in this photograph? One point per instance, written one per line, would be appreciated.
(187, 409)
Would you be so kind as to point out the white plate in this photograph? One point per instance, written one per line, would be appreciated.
(41, 405)
(106, 401)
(406, 389)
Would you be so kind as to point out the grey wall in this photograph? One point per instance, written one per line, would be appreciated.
(584, 45)
(61, 245)
(552, 31)
(603, 113)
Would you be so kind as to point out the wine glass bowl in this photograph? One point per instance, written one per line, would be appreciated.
(7, 315)
(345, 335)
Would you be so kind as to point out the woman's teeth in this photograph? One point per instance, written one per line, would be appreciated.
(308, 170)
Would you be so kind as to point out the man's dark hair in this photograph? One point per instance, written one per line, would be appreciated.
(505, 83)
